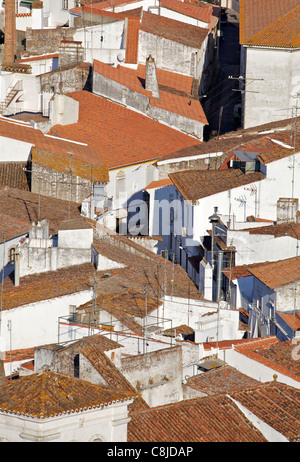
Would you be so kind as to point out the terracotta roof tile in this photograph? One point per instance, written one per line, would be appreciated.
(278, 273)
(196, 184)
(177, 31)
(204, 14)
(220, 380)
(291, 319)
(272, 273)
(277, 230)
(209, 419)
(93, 347)
(159, 184)
(273, 354)
(132, 40)
(176, 101)
(276, 404)
(47, 285)
(146, 269)
(272, 23)
(127, 306)
(48, 394)
(50, 144)
(236, 272)
(174, 331)
(13, 174)
(87, 166)
(124, 136)
(22, 207)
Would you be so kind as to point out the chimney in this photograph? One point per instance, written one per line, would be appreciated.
(10, 46)
(151, 82)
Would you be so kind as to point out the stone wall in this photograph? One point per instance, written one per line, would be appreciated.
(60, 185)
(156, 375)
(43, 41)
(65, 80)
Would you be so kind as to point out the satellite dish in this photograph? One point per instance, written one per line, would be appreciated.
(120, 57)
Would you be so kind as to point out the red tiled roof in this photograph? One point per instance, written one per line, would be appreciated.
(177, 31)
(236, 272)
(188, 9)
(197, 184)
(132, 40)
(125, 137)
(208, 419)
(291, 319)
(21, 207)
(175, 102)
(159, 184)
(277, 230)
(220, 380)
(273, 274)
(273, 23)
(273, 354)
(52, 144)
(87, 168)
(276, 404)
(49, 394)
(47, 285)
(278, 273)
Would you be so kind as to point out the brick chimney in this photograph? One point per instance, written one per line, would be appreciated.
(151, 82)
(10, 45)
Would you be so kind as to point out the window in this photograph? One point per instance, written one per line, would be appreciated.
(65, 4)
(11, 255)
(76, 366)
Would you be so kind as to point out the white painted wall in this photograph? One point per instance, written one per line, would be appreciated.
(40, 319)
(182, 17)
(254, 248)
(75, 238)
(20, 149)
(107, 424)
(276, 82)
(172, 56)
(4, 255)
(137, 177)
(254, 369)
(109, 48)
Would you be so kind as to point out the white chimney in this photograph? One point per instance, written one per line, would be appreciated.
(151, 82)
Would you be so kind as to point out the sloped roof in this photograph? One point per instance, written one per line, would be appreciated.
(44, 286)
(13, 174)
(132, 39)
(125, 137)
(273, 274)
(276, 404)
(170, 29)
(199, 11)
(273, 23)
(277, 230)
(291, 319)
(89, 167)
(22, 207)
(274, 354)
(220, 380)
(142, 269)
(48, 394)
(278, 273)
(208, 419)
(51, 147)
(197, 184)
(173, 101)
